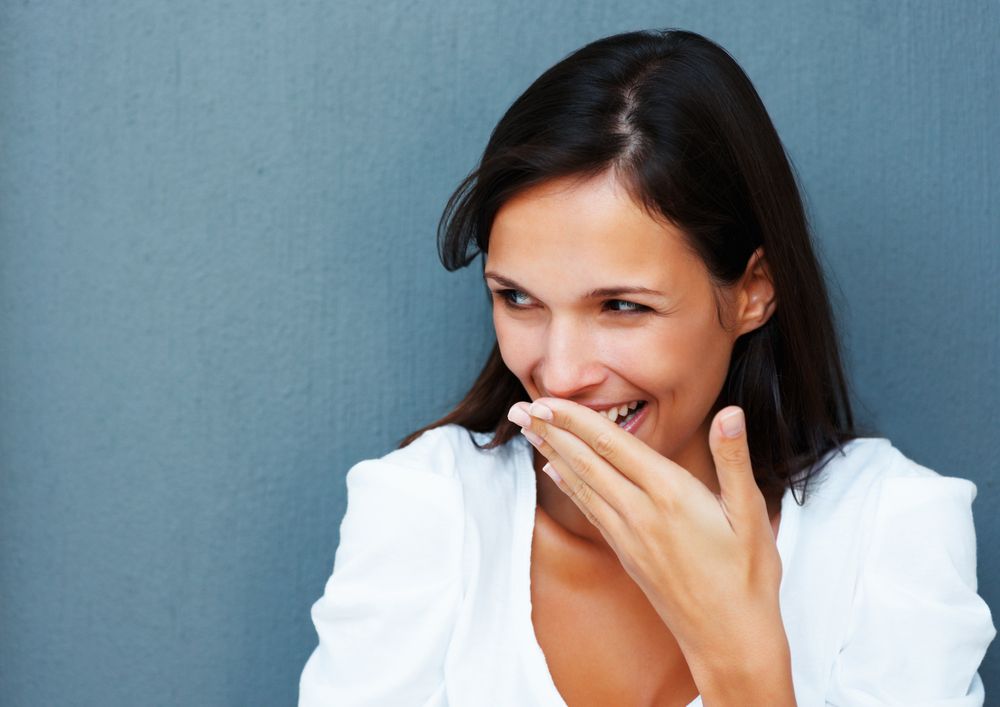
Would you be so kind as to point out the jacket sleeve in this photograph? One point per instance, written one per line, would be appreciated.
(387, 612)
(919, 630)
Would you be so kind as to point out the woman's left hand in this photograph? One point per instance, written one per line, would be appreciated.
(708, 564)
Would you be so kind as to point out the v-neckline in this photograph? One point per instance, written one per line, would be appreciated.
(533, 657)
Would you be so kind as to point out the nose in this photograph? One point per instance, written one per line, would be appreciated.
(571, 364)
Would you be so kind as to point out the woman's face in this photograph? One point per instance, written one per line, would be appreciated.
(554, 244)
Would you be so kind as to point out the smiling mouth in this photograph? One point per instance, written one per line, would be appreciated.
(618, 412)
(629, 421)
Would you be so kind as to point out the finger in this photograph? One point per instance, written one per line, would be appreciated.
(594, 485)
(591, 504)
(635, 460)
(741, 497)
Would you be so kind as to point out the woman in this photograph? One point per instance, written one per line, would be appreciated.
(648, 259)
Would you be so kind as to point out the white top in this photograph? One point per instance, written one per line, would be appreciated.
(429, 602)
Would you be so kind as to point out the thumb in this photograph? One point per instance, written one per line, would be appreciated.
(731, 452)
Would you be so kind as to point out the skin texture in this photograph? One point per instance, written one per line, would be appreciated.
(598, 583)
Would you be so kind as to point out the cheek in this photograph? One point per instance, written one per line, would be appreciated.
(704, 357)
(679, 355)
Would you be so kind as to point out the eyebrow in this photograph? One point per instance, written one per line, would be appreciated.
(614, 291)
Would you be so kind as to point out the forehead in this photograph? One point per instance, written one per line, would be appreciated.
(591, 227)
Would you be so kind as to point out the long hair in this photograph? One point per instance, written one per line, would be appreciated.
(680, 123)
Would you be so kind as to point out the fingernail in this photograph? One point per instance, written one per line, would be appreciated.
(540, 411)
(518, 416)
(551, 472)
(532, 437)
(732, 424)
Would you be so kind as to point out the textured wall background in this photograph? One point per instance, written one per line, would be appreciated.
(220, 288)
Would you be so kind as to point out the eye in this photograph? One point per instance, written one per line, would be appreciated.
(631, 307)
(509, 299)
(505, 295)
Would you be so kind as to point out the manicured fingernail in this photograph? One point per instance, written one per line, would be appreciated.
(532, 437)
(540, 411)
(552, 472)
(518, 416)
(732, 424)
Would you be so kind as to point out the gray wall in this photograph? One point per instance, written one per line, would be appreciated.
(220, 288)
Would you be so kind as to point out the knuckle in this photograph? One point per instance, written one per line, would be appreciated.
(734, 455)
(665, 498)
(604, 444)
(581, 466)
(585, 495)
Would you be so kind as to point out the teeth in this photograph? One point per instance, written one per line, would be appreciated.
(620, 411)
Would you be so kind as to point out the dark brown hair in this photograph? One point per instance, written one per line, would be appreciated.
(679, 122)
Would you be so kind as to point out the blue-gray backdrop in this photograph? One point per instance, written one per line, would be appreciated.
(220, 287)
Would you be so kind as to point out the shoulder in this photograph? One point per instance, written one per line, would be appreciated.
(435, 452)
(921, 524)
(914, 525)
(405, 512)
(442, 470)
(446, 468)
(443, 450)
(868, 468)
(874, 505)
(915, 602)
(413, 490)
(397, 581)
(429, 462)
(455, 453)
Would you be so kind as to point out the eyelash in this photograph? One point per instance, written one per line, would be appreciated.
(638, 308)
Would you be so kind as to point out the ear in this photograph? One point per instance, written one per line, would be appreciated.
(756, 297)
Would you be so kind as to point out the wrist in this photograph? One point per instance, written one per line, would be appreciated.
(760, 676)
